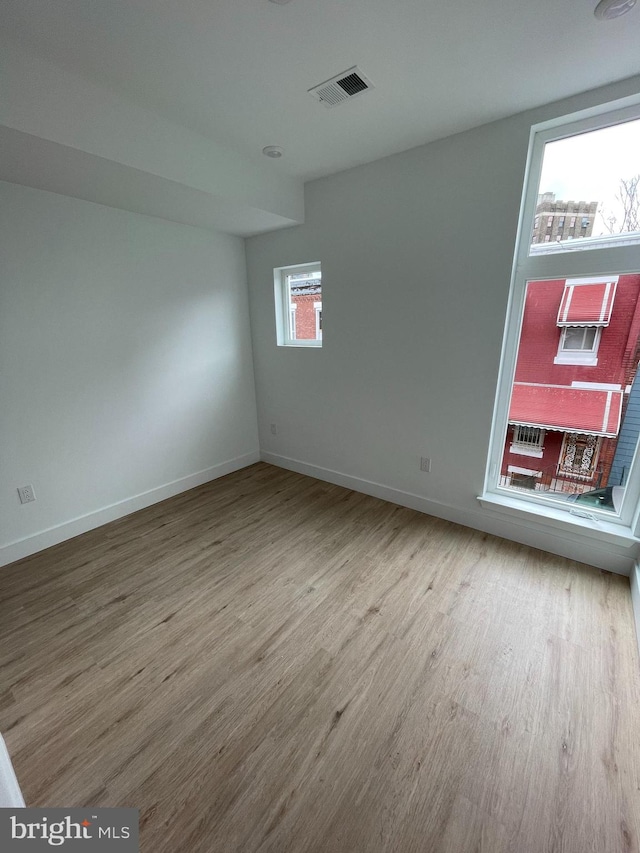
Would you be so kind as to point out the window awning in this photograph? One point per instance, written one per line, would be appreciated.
(587, 304)
(559, 407)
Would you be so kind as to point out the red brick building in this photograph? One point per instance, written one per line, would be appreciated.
(306, 310)
(577, 358)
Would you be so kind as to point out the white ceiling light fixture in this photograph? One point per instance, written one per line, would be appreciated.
(272, 151)
(606, 10)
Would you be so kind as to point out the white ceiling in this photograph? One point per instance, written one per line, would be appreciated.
(238, 71)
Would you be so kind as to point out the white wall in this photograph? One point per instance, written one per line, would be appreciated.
(126, 363)
(416, 252)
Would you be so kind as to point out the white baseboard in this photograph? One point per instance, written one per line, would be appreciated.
(537, 536)
(635, 598)
(68, 529)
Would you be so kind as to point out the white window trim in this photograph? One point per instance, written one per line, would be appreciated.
(597, 386)
(522, 450)
(292, 321)
(317, 306)
(598, 260)
(284, 308)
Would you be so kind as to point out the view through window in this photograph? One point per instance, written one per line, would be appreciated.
(299, 291)
(573, 400)
(589, 188)
(574, 387)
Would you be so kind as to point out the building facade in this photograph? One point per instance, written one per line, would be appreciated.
(306, 309)
(576, 365)
(562, 220)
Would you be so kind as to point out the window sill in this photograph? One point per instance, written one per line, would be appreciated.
(561, 520)
(576, 360)
(521, 450)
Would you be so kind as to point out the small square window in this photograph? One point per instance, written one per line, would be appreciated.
(298, 302)
(527, 441)
(579, 345)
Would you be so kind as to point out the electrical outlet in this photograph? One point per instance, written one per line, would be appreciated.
(26, 494)
(425, 464)
(274, 429)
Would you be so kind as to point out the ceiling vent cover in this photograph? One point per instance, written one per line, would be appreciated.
(341, 88)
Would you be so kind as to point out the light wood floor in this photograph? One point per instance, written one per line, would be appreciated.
(272, 663)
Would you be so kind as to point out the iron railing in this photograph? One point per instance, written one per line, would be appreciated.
(552, 481)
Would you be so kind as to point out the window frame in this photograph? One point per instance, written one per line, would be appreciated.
(284, 309)
(317, 307)
(579, 259)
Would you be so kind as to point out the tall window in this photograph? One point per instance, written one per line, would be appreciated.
(572, 342)
(298, 303)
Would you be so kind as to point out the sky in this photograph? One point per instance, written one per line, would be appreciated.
(589, 167)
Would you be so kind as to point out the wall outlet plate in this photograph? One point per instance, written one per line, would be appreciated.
(26, 494)
(425, 464)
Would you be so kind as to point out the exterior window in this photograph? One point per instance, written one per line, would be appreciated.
(550, 222)
(568, 388)
(528, 441)
(298, 294)
(578, 345)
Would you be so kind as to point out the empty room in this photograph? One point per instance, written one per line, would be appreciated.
(319, 416)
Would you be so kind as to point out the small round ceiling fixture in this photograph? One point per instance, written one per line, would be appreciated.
(606, 10)
(275, 151)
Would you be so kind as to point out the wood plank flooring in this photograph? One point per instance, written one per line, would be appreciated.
(270, 663)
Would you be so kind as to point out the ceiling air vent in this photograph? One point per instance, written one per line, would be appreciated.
(341, 88)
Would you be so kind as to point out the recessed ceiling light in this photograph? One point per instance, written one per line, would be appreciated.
(272, 151)
(606, 10)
